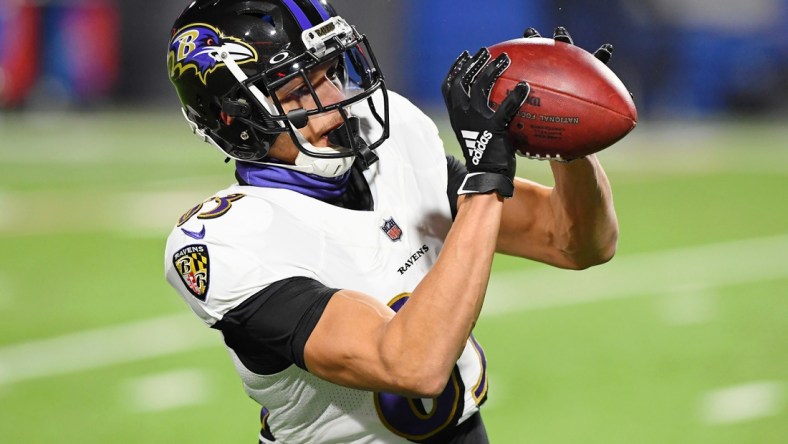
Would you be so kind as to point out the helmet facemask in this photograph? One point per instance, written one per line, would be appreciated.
(258, 101)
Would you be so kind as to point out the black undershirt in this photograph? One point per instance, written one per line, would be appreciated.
(268, 331)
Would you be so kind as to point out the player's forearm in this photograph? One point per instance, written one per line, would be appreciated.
(586, 227)
(431, 330)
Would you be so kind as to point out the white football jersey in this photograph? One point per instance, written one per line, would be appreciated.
(234, 245)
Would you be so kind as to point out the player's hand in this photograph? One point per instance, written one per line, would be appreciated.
(482, 132)
(604, 53)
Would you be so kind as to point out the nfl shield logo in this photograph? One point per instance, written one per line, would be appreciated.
(392, 230)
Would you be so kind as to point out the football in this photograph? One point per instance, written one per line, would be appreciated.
(577, 105)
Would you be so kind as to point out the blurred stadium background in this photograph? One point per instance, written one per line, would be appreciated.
(682, 338)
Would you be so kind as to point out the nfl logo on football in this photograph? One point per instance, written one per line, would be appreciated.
(392, 230)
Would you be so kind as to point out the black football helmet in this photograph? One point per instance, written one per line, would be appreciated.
(227, 58)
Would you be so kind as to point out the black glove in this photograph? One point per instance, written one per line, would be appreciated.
(604, 53)
(482, 132)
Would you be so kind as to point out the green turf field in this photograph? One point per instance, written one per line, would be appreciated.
(682, 338)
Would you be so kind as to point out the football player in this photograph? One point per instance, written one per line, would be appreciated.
(347, 267)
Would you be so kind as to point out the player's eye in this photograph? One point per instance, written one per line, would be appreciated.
(334, 75)
(299, 92)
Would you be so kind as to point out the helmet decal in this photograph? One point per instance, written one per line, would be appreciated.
(321, 9)
(280, 57)
(299, 14)
(200, 46)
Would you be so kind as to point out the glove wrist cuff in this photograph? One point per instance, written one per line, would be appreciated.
(483, 183)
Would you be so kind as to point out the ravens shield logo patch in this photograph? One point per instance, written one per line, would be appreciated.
(192, 264)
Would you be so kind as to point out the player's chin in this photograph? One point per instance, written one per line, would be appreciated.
(323, 141)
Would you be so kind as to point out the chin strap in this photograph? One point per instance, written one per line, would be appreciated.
(347, 135)
(327, 168)
(344, 137)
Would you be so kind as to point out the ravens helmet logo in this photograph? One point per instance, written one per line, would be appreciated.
(202, 47)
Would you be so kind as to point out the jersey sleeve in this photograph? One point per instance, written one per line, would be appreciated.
(269, 331)
(234, 247)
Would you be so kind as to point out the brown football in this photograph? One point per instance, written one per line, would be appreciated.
(577, 105)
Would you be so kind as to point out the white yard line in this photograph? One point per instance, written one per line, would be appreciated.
(742, 403)
(136, 214)
(103, 347)
(657, 273)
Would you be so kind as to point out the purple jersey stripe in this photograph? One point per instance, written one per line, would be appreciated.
(299, 14)
(321, 9)
(480, 390)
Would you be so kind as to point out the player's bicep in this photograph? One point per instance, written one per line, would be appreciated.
(344, 346)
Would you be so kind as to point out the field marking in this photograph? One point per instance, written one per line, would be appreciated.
(742, 403)
(151, 214)
(166, 391)
(657, 273)
(104, 347)
(658, 147)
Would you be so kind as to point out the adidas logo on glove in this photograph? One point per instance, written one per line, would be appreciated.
(476, 144)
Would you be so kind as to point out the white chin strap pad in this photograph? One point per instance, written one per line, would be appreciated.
(321, 167)
(318, 166)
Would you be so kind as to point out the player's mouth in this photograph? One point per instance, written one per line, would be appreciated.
(324, 134)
